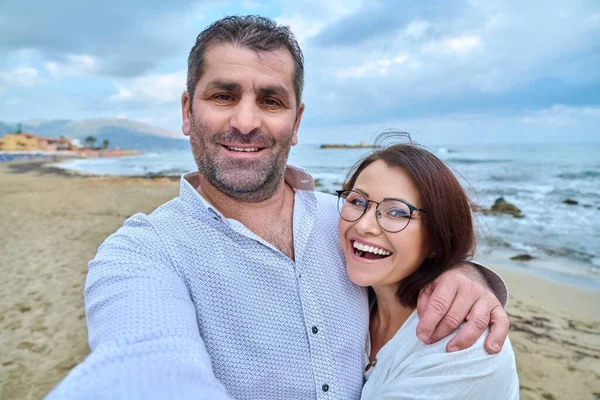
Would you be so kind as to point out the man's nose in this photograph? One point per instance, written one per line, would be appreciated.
(368, 223)
(246, 117)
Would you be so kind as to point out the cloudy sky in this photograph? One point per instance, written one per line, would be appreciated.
(476, 71)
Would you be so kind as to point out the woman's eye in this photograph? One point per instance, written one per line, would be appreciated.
(398, 213)
(358, 203)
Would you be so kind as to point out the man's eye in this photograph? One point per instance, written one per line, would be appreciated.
(271, 102)
(223, 97)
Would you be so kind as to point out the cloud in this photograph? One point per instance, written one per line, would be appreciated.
(126, 38)
(495, 56)
(460, 45)
(20, 77)
(509, 64)
(76, 65)
(556, 124)
(306, 19)
(382, 20)
(561, 115)
(152, 89)
(378, 66)
(417, 29)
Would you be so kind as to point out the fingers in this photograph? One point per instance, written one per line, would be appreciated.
(423, 300)
(477, 322)
(438, 304)
(456, 315)
(500, 325)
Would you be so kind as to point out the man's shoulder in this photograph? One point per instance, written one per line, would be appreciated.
(164, 222)
(326, 198)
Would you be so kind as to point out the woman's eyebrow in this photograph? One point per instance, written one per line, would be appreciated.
(361, 192)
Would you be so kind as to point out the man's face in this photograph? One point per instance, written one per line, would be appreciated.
(244, 120)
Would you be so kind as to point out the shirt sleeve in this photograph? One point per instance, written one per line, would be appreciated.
(466, 374)
(142, 326)
(496, 283)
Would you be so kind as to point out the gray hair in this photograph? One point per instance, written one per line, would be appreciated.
(252, 32)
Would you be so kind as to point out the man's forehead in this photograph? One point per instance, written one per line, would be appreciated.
(223, 59)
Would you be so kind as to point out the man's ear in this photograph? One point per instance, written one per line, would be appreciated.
(186, 113)
(297, 123)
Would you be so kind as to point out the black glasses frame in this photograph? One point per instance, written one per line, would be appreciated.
(378, 214)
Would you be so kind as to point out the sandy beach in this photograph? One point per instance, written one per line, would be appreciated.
(53, 222)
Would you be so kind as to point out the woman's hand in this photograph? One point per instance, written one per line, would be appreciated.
(461, 294)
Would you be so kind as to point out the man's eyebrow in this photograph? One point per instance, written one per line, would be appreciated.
(274, 90)
(228, 86)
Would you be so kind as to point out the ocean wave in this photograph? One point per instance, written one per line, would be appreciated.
(454, 160)
(588, 261)
(167, 172)
(509, 178)
(580, 175)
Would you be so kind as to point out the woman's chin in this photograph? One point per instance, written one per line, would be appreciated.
(360, 278)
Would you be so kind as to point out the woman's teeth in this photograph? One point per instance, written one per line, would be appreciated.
(370, 249)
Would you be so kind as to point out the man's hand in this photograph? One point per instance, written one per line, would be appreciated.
(460, 294)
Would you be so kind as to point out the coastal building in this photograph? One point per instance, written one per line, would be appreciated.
(30, 142)
(54, 144)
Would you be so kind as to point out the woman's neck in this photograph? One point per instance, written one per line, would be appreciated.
(387, 318)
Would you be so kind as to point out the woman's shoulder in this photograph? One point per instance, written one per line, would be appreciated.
(430, 371)
(473, 357)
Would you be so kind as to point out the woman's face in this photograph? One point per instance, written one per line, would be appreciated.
(404, 251)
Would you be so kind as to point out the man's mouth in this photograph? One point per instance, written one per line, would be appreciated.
(243, 149)
(369, 252)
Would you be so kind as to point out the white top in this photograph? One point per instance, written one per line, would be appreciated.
(408, 369)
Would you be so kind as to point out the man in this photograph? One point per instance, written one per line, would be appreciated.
(237, 288)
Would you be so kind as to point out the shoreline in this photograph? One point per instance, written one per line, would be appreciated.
(578, 273)
(49, 167)
(57, 220)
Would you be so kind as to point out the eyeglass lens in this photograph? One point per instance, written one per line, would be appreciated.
(392, 215)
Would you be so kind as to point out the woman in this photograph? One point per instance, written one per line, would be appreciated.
(404, 220)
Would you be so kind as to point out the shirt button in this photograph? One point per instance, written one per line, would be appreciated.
(325, 387)
(315, 330)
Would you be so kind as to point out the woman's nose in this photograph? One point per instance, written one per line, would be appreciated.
(368, 223)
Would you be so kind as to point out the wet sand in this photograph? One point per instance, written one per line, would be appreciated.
(53, 222)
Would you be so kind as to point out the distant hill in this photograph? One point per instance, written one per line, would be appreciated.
(120, 133)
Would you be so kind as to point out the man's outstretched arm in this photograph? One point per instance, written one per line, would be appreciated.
(142, 327)
(463, 294)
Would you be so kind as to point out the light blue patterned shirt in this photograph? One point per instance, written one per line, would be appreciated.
(187, 304)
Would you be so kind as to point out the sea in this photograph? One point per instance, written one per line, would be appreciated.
(535, 178)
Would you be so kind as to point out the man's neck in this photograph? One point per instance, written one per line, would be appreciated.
(239, 209)
(271, 219)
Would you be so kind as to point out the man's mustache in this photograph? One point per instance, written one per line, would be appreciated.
(256, 138)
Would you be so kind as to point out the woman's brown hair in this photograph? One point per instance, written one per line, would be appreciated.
(447, 221)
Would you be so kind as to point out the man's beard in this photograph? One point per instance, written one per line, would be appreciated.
(246, 180)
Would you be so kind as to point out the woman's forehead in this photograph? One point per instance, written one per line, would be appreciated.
(378, 181)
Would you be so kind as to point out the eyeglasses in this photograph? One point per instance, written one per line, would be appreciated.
(393, 215)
